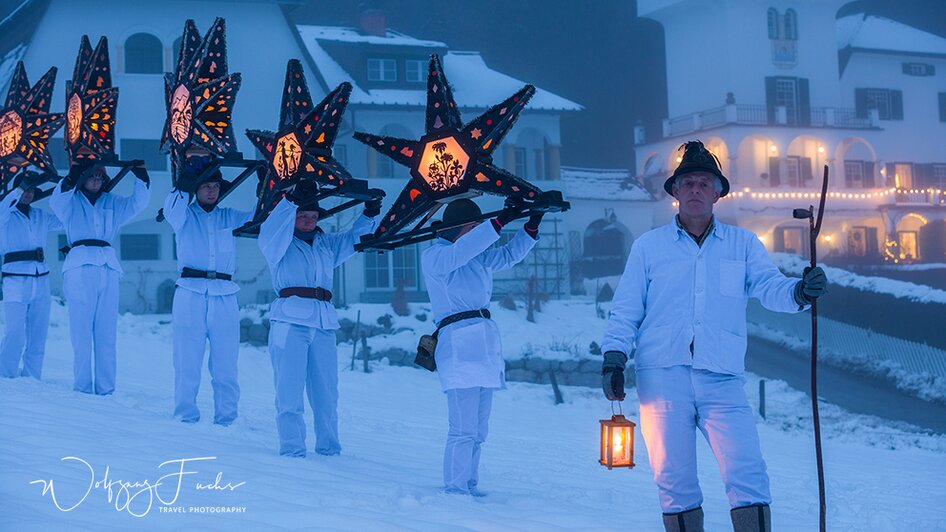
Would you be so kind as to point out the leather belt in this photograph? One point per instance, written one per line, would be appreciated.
(309, 293)
(91, 242)
(25, 256)
(191, 273)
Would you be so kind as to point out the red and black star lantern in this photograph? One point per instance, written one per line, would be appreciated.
(91, 104)
(301, 150)
(452, 160)
(26, 125)
(199, 96)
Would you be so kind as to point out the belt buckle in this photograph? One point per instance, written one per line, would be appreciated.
(211, 275)
(40, 255)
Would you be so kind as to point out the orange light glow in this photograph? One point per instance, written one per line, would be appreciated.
(73, 118)
(11, 131)
(181, 114)
(443, 164)
(288, 155)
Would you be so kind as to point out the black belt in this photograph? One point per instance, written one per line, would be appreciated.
(5, 274)
(25, 256)
(460, 316)
(191, 273)
(91, 242)
(309, 293)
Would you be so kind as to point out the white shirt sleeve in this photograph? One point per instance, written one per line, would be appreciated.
(276, 231)
(441, 260)
(627, 308)
(512, 253)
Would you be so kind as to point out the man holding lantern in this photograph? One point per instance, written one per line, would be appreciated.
(302, 259)
(680, 308)
(458, 270)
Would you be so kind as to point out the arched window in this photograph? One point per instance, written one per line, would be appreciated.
(791, 25)
(773, 23)
(144, 54)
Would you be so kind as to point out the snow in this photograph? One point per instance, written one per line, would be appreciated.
(475, 84)
(608, 184)
(879, 33)
(795, 265)
(539, 464)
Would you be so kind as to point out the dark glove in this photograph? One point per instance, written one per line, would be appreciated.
(372, 208)
(75, 172)
(532, 224)
(302, 192)
(141, 173)
(813, 284)
(29, 180)
(612, 375)
(505, 216)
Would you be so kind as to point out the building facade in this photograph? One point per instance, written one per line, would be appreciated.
(778, 90)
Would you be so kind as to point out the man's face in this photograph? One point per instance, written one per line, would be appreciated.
(27, 196)
(208, 193)
(306, 221)
(94, 182)
(696, 193)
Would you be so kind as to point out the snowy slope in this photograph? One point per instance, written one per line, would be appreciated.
(538, 464)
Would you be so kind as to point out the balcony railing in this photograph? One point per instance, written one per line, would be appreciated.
(759, 115)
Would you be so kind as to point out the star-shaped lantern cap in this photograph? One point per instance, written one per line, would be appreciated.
(200, 95)
(91, 104)
(451, 159)
(26, 125)
(302, 148)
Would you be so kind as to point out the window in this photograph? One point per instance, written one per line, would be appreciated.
(791, 25)
(918, 69)
(791, 93)
(145, 149)
(414, 70)
(141, 247)
(791, 240)
(902, 175)
(57, 150)
(520, 168)
(888, 102)
(908, 245)
(382, 70)
(384, 271)
(785, 95)
(340, 152)
(772, 20)
(144, 54)
(862, 241)
(938, 177)
(942, 107)
(858, 174)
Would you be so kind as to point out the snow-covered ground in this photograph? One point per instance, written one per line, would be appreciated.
(539, 464)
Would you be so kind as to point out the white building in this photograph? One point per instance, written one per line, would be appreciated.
(778, 89)
(388, 71)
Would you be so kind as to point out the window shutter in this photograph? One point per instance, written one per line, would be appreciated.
(896, 105)
(942, 107)
(868, 174)
(891, 172)
(806, 169)
(770, 98)
(922, 175)
(804, 105)
(860, 103)
(774, 178)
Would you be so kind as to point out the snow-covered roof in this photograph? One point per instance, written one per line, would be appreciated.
(602, 183)
(475, 85)
(870, 32)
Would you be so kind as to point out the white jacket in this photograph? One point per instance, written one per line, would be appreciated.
(293, 262)
(459, 277)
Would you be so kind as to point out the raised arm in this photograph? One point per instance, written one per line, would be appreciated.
(234, 219)
(512, 253)
(275, 233)
(175, 209)
(61, 201)
(627, 308)
(9, 204)
(128, 207)
(444, 259)
(342, 244)
(767, 283)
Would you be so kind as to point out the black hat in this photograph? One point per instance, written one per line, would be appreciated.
(696, 158)
(190, 175)
(305, 194)
(459, 210)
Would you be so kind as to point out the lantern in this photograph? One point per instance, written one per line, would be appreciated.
(617, 442)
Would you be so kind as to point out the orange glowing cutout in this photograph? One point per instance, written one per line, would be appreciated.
(443, 164)
(617, 442)
(287, 157)
(181, 114)
(11, 131)
(73, 118)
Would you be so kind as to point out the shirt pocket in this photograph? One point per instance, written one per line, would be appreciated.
(732, 278)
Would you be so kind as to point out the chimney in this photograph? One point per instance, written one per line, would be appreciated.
(373, 22)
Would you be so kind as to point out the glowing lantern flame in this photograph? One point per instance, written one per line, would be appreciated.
(11, 130)
(288, 155)
(73, 118)
(181, 114)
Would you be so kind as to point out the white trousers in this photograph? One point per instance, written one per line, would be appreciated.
(197, 319)
(305, 358)
(674, 403)
(468, 410)
(92, 298)
(26, 309)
